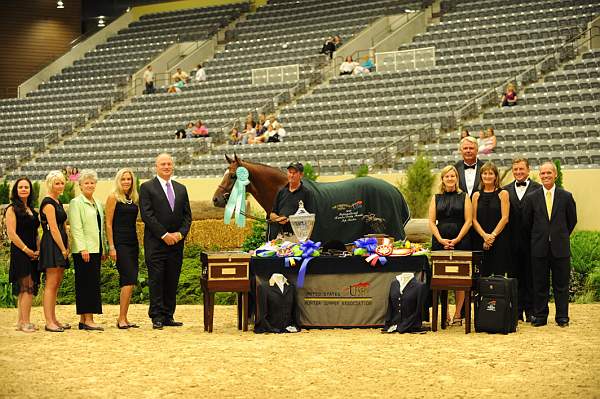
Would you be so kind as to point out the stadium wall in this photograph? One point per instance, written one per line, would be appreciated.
(580, 182)
(34, 33)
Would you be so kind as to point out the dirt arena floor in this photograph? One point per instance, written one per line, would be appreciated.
(546, 362)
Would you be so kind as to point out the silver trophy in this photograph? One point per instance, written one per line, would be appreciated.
(302, 222)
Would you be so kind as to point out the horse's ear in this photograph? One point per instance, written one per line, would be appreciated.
(238, 160)
(229, 160)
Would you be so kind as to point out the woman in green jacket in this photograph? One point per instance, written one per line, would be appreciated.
(86, 217)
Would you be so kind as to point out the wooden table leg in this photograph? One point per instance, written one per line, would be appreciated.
(239, 310)
(434, 310)
(468, 311)
(205, 308)
(245, 311)
(211, 310)
(444, 300)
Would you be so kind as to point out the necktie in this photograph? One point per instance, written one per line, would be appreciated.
(521, 183)
(549, 203)
(470, 166)
(170, 195)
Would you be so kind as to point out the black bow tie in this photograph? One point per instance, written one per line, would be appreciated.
(521, 184)
(470, 166)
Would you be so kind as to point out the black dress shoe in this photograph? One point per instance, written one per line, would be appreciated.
(538, 322)
(562, 323)
(83, 326)
(157, 325)
(528, 318)
(172, 323)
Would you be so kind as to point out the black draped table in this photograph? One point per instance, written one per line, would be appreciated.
(340, 291)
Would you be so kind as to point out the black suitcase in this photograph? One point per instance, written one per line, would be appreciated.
(496, 305)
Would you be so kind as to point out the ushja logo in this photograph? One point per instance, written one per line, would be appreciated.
(357, 289)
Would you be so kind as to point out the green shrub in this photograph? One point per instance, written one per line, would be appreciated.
(559, 176)
(309, 172)
(4, 191)
(189, 291)
(257, 236)
(362, 171)
(7, 299)
(585, 251)
(417, 187)
(68, 194)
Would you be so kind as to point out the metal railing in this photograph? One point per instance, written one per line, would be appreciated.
(567, 51)
(407, 144)
(392, 61)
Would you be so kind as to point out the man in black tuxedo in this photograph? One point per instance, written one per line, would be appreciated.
(519, 238)
(165, 210)
(551, 214)
(469, 167)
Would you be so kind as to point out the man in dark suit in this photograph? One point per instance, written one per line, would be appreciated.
(469, 167)
(165, 210)
(519, 238)
(551, 214)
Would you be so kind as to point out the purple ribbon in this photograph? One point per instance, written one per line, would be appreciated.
(308, 247)
(368, 243)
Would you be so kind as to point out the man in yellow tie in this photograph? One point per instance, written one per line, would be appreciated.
(551, 214)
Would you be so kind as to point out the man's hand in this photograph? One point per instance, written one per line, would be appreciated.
(172, 238)
(281, 220)
(85, 255)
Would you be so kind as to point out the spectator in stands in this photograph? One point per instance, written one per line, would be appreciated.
(368, 64)
(262, 119)
(200, 130)
(235, 137)
(464, 133)
(510, 96)
(270, 119)
(22, 229)
(328, 47)
(348, 66)
(488, 144)
(337, 40)
(249, 134)
(74, 175)
(200, 75)
(177, 86)
(181, 75)
(149, 80)
(250, 119)
(182, 133)
(277, 133)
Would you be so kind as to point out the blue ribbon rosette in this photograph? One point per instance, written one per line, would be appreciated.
(305, 252)
(367, 246)
(236, 205)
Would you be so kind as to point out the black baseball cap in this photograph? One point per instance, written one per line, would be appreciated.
(296, 165)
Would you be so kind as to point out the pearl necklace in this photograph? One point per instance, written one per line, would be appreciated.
(128, 201)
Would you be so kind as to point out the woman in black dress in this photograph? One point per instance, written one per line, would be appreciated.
(450, 218)
(54, 247)
(491, 206)
(121, 216)
(22, 225)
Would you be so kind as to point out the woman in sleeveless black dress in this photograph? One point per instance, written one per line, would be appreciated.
(491, 207)
(22, 225)
(54, 247)
(121, 216)
(450, 221)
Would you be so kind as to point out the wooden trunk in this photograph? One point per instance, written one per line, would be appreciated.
(454, 268)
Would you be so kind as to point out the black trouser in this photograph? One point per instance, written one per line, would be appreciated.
(87, 284)
(561, 268)
(149, 87)
(521, 270)
(164, 268)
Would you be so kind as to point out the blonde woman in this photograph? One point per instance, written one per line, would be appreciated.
(450, 218)
(121, 215)
(510, 97)
(54, 247)
(86, 218)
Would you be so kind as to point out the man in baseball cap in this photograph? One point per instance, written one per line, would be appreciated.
(287, 199)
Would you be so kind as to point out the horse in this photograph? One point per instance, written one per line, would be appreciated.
(346, 210)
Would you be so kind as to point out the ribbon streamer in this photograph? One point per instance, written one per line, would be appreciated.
(236, 205)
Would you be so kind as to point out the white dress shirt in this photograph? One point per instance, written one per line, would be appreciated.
(520, 190)
(470, 178)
